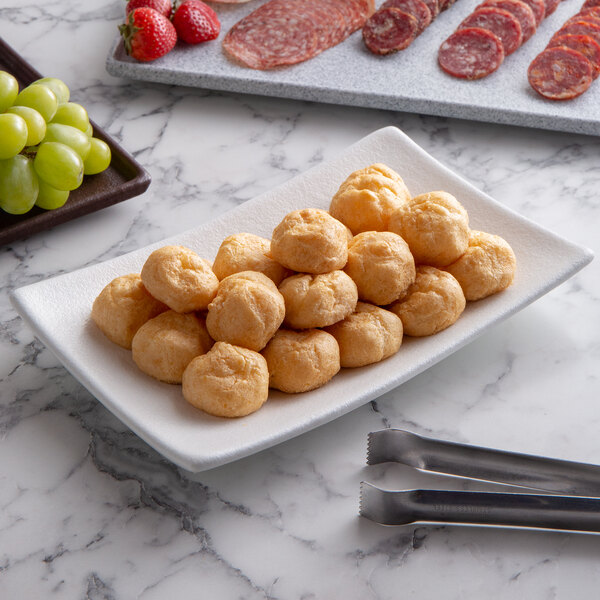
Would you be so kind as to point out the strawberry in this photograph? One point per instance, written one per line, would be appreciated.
(164, 7)
(196, 22)
(148, 35)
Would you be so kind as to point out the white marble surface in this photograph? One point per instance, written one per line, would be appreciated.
(89, 511)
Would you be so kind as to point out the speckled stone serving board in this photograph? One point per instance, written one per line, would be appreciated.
(409, 81)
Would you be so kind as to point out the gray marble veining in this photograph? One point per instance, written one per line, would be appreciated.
(90, 511)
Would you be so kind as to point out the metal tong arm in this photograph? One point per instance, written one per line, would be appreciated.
(483, 508)
(451, 458)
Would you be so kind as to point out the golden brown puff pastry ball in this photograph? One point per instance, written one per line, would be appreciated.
(229, 381)
(435, 226)
(368, 197)
(433, 302)
(122, 307)
(317, 300)
(488, 266)
(310, 241)
(248, 252)
(381, 265)
(181, 279)
(370, 334)
(300, 361)
(164, 346)
(247, 310)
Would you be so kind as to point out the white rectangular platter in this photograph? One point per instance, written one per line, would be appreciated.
(409, 81)
(58, 310)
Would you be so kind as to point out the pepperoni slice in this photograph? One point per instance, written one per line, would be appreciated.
(580, 28)
(590, 4)
(594, 12)
(560, 73)
(417, 8)
(585, 18)
(471, 53)
(520, 10)
(582, 43)
(500, 22)
(445, 4)
(551, 6)
(389, 30)
(434, 7)
(539, 10)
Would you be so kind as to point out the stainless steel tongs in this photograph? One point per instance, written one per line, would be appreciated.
(577, 511)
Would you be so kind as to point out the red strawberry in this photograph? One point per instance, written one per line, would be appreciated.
(148, 35)
(164, 7)
(196, 22)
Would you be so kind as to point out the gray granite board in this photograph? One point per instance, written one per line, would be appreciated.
(408, 81)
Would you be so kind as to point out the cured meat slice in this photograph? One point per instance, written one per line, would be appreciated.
(500, 22)
(586, 18)
(539, 10)
(356, 12)
(434, 7)
(560, 73)
(389, 30)
(582, 43)
(286, 32)
(471, 53)
(417, 8)
(581, 28)
(326, 12)
(594, 11)
(520, 10)
(590, 4)
(445, 4)
(551, 6)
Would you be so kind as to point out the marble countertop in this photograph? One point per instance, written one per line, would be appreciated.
(89, 511)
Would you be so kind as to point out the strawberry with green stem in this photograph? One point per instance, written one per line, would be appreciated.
(147, 34)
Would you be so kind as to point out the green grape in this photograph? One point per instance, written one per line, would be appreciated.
(59, 87)
(49, 197)
(90, 130)
(9, 88)
(18, 185)
(59, 165)
(40, 97)
(13, 135)
(72, 114)
(98, 159)
(36, 126)
(71, 136)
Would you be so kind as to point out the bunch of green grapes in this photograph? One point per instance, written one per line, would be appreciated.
(46, 145)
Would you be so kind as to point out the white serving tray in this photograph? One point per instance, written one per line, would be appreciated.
(409, 81)
(58, 311)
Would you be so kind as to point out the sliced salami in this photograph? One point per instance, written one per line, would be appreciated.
(471, 53)
(560, 73)
(520, 10)
(582, 43)
(581, 28)
(445, 4)
(434, 7)
(551, 6)
(539, 10)
(417, 8)
(594, 12)
(586, 18)
(286, 32)
(389, 30)
(500, 22)
(590, 4)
